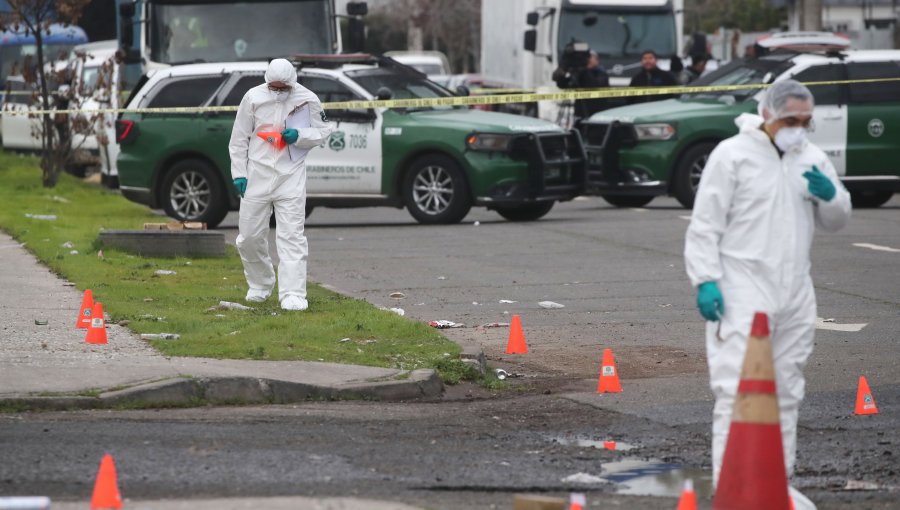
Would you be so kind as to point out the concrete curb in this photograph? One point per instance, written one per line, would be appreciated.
(189, 392)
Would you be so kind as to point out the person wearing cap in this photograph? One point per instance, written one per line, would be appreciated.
(762, 194)
(269, 176)
(651, 76)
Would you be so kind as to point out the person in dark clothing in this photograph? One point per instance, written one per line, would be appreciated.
(695, 70)
(591, 76)
(652, 76)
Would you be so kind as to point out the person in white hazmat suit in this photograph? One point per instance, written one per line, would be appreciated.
(761, 195)
(268, 176)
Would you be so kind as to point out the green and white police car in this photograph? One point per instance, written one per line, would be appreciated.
(641, 151)
(437, 162)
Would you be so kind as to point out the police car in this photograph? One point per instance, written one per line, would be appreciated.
(437, 162)
(646, 150)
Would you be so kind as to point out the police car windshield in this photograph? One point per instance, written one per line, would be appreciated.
(741, 72)
(403, 85)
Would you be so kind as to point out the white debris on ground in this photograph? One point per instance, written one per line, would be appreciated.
(228, 305)
(160, 336)
(163, 272)
(550, 305)
(444, 324)
(45, 217)
(507, 302)
(397, 295)
(583, 478)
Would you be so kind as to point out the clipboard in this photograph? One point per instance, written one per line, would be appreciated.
(298, 119)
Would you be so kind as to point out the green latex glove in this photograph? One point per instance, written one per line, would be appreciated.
(820, 186)
(240, 184)
(710, 302)
(290, 135)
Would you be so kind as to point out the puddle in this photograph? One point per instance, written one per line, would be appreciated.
(599, 444)
(655, 478)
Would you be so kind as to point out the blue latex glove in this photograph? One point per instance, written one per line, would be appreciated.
(710, 302)
(290, 135)
(240, 184)
(820, 186)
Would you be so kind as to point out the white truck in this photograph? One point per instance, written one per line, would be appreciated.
(522, 41)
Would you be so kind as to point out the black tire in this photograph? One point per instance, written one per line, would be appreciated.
(870, 199)
(627, 201)
(687, 173)
(525, 212)
(194, 191)
(435, 190)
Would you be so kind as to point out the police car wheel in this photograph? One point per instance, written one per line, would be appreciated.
(525, 212)
(627, 201)
(688, 172)
(870, 199)
(435, 190)
(192, 191)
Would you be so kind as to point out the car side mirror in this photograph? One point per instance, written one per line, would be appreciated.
(463, 91)
(357, 8)
(532, 18)
(530, 43)
(383, 94)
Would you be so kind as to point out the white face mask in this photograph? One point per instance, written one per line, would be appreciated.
(788, 137)
(281, 95)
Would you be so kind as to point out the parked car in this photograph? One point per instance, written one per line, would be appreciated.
(19, 131)
(645, 150)
(433, 64)
(437, 162)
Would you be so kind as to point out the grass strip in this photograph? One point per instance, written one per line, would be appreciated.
(130, 290)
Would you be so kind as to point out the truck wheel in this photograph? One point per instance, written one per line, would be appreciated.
(870, 199)
(525, 212)
(627, 201)
(435, 190)
(688, 172)
(192, 191)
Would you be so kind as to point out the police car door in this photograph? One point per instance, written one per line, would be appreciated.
(350, 162)
(829, 129)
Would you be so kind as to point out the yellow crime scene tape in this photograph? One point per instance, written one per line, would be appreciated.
(533, 97)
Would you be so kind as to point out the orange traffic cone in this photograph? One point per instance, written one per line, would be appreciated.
(96, 333)
(609, 445)
(577, 501)
(865, 402)
(753, 475)
(106, 488)
(84, 314)
(609, 377)
(516, 343)
(688, 499)
(273, 137)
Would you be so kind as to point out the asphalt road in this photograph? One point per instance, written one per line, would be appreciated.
(620, 275)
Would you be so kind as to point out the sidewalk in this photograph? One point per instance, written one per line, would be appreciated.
(49, 366)
(275, 503)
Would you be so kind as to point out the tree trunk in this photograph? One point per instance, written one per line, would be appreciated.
(49, 162)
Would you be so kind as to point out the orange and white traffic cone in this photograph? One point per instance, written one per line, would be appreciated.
(865, 402)
(516, 343)
(96, 333)
(688, 499)
(753, 475)
(609, 376)
(106, 488)
(577, 501)
(84, 313)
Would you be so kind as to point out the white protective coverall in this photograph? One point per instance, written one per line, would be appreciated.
(751, 231)
(274, 180)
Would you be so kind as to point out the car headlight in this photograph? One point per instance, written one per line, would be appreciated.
(488, 142)
(654, 131)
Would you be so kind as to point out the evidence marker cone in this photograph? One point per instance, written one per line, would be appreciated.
(577, 501)
(609, 376)
(865, 402)
(753, 475)
(84, 313)
(273, 137)
(96, 333)
(688, 499)
(516, 343)
(106, 488)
